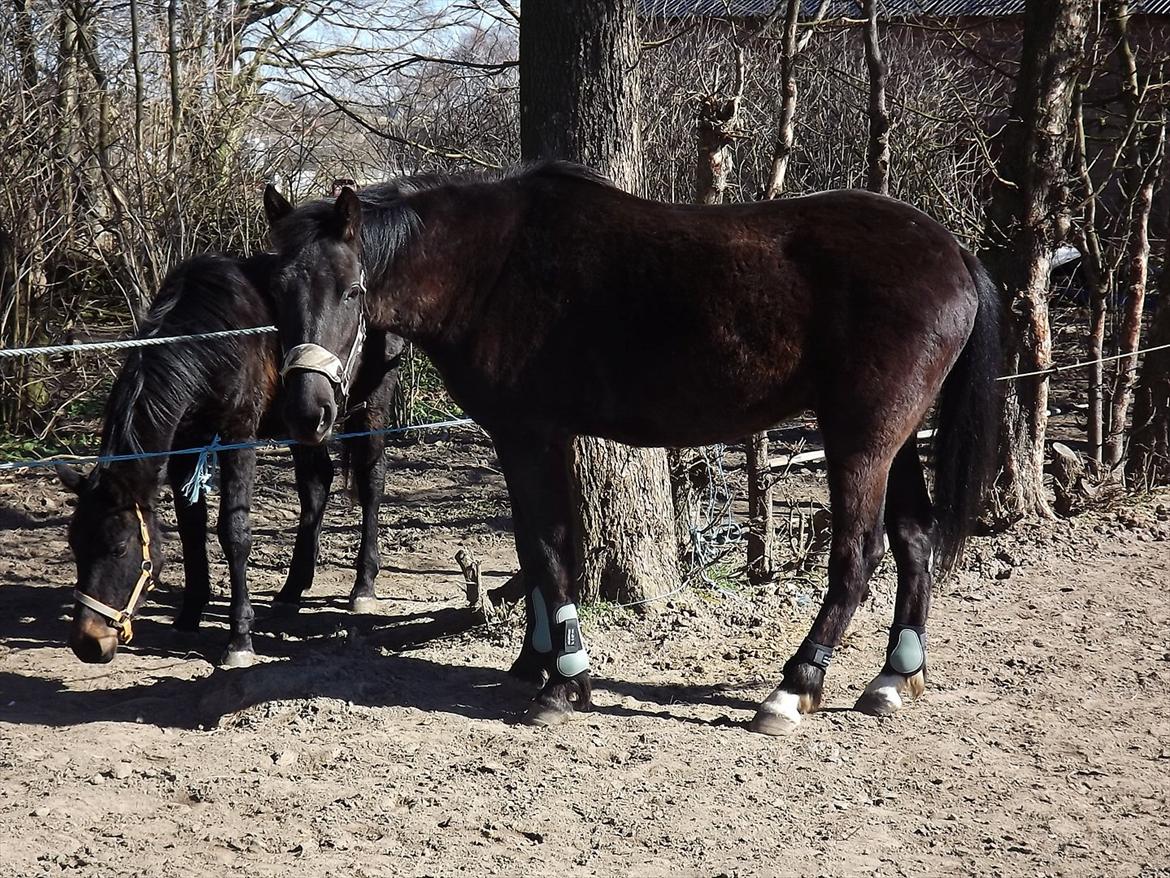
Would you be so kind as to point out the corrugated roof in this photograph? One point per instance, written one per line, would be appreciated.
(852, 8)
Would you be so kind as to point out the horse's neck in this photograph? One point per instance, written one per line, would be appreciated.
(148, 428)
(447, 269)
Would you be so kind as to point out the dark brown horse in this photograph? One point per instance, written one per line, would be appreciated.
(555, 305)
(180, 396)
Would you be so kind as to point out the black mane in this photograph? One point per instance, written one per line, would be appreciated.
(388, 221)
(156, 385)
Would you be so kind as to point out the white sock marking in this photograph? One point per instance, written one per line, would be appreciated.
(783, 704)
(884, 689)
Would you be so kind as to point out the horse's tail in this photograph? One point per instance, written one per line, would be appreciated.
(967, 429)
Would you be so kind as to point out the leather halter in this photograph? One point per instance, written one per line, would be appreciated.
(310, 357)
(123, 619)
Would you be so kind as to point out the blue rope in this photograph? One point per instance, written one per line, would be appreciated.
(200, 481)
(10, 465)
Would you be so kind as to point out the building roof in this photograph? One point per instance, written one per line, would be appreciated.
(852, 8)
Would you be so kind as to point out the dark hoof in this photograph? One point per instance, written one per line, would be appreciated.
(545, 715)
(560, 699)
(238, 658)
(363, 604)
(285, 609)
(528, 669)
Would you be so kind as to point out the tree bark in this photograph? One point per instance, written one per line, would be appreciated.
(1141, 157)
(761, 537)
(173, 71)
(716, 123)
(1096, 279)
(786, 122)
(1136, 273)
(878, 150)
(1148, 464)
(1027, 219)
(579, 97)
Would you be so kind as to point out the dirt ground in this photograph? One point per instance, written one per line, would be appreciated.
(387, 744)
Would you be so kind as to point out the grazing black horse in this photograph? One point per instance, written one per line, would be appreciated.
(555, 305)
(181, 396)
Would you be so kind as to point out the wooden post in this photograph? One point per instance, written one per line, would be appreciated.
(761, 563)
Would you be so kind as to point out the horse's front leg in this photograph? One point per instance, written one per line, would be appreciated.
(368, 460)
(314, 475)
(192, 521)
(537, 470)
(237, 474)
(857, 492)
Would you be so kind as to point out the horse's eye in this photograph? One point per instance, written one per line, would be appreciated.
(354, 291)
(120, 550)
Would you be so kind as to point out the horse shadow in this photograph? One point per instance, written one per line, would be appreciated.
(353, 677)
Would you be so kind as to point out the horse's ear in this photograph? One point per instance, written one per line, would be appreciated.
(349, 214)
(72, 479)
(276, 206)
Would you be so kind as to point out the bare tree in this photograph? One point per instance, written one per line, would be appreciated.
(878, 152)
(1140, 159)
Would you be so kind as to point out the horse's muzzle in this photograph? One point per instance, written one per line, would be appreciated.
(92, 639)
(310, 407)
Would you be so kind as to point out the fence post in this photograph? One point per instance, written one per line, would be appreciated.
(760, 538)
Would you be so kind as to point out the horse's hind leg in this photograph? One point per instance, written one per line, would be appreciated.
(857, 485)
(192, 521)
(909, 520)
(314, 474)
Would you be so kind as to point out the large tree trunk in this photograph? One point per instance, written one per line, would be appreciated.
(1027, 219)
(579, 96)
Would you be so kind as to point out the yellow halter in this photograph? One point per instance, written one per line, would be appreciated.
(122, 620)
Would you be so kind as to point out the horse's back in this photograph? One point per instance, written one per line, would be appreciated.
(232, 382)
(663, 321)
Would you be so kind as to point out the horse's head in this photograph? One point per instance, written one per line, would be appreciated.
(319, 288)
(115, 543)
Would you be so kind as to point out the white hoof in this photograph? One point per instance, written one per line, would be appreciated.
(238, 659)
(780, 713)
(884, 695)
(364, 605)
